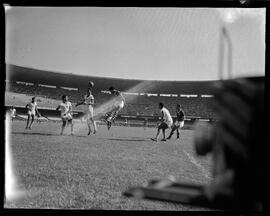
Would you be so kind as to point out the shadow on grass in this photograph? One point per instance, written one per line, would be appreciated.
(127, 139)
(46, 134)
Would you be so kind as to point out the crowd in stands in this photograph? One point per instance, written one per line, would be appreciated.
(135, 105)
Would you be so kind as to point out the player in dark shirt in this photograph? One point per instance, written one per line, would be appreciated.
(179, 122)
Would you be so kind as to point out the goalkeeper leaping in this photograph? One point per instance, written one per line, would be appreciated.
(118, 104)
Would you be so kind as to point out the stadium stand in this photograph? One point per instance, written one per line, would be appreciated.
(25, 81)
(136, 105)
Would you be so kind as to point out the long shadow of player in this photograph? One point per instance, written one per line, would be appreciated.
(44, 134)
(127, 139)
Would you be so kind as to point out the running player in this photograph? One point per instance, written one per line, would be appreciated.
(119, 103)
(166, 122)
(88, 100)
(179, 122)
(32, 111)
(66, 113)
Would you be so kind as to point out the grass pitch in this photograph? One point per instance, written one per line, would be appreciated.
(91, 172)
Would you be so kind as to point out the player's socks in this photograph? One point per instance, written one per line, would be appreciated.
(170, 136)
(178, 136)
(109, 125)
(89, 132)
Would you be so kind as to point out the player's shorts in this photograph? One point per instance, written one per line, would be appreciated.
(164, 125)
(89, 112)
(66, 117)
(179, 124)
(33, 112)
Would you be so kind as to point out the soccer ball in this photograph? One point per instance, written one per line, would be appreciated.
(91, 84)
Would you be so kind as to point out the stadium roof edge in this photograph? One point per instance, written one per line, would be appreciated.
(27, 74)
(113, 78)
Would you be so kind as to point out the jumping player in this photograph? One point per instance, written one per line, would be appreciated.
(117, 106)
(32, 111)
(66, 113)
(166, 122)
(88, 100)
(179, 122)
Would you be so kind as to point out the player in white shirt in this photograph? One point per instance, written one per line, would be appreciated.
(119, 102)
(66, 113)
(32, 111)
(12, 113)
(88, 102)
(166, 122)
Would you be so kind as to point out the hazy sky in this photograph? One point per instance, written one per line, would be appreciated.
(142, 43)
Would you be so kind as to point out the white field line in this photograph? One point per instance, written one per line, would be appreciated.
(198, 165)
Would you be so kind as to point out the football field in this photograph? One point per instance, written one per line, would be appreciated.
(91, 172)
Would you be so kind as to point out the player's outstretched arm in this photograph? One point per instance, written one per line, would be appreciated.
(57, 108)
(121, 95)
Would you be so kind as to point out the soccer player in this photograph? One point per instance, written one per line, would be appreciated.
(88, 100)
(166, 122)
(32, 111)
(179, 122)
(12, 113)
(117, 106)
(66, 113)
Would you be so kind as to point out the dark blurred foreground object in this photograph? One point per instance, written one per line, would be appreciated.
(236, 142)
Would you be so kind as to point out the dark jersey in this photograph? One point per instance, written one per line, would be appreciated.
(180, 115)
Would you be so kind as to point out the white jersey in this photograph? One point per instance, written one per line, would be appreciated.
(32, 108)
(88, 99)
(119, 100)
(65, 108)
(166, 116)
(13, 112)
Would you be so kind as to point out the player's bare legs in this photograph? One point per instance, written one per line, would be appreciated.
(163, 132)
(155, 139)
(71, 127)
(63, 127)
(94, 125)
(177, 133)
(162, 127)
(172, 132)
(32, 120)
(27, 123)
(112, 116)
(89, 126)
